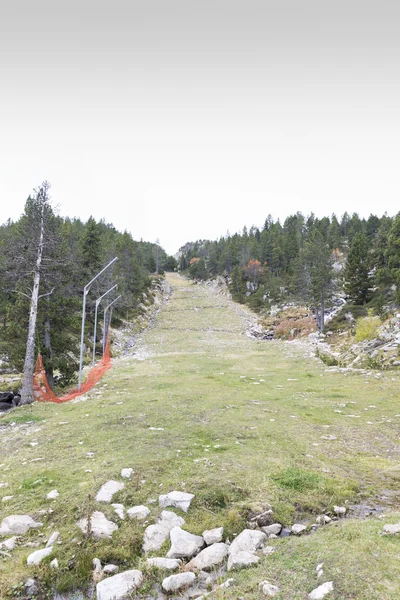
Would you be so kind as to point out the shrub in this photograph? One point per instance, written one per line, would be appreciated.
(291, 328)
(367, 328)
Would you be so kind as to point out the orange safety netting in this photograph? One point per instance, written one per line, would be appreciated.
(43, 392)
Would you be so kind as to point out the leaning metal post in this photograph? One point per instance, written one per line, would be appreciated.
(105, 321)
(95, 319)
(85, 292)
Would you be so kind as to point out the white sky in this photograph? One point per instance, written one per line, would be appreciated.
(181, 120)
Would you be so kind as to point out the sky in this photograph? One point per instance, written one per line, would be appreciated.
(182, 120)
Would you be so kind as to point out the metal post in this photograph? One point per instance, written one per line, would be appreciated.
(95, 319)
(105, 321)
(85, 292)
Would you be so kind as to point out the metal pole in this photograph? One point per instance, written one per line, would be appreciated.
(105, 321)
(85, 292)
(95, 318)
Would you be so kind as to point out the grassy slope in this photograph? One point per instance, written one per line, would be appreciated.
(237, 432)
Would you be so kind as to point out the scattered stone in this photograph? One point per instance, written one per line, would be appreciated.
(208, 558)
(286, 531)
(273, 529)
(120, 510)
(7, 498)
(108, 489)
(319, 570)
(268, 589)
(175, 499)
(138, 512)
(52, 539)
(242, 559)
(100, 526)
(298, 529)
(169, 564)
(174, 583)
(52, 495)
(54, 564)
(391, 529)
(323, 519)
(248, 541)
(184, 544)
(155, 535)
(31, 587)
(96, 565)
(118, 586)
(320, 592)
(110, 569)
(126, 473)
(8, 544)
(268, 550)
(339, 510)
(36, 557)
(18, 524)
(213, 536)
(265, 518)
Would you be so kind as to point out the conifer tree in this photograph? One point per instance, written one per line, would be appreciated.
(356, 273)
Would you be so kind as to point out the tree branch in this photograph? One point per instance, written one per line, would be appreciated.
(48, 293)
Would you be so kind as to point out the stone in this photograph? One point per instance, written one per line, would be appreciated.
(138, 512)
(265, 518)
(31, 587)
(97, 565)
(323, 519)
(339, 510)
(268, 589)
(52, 495)
(118, 586)
(7, 498)
(213, 536)
(119, 510)
(320, 592)
(249, 541)
(242, 559)
(268, 550)
(208, 558)
(8, 544)
(126, 473)
(286, 531)
(100, 526)
(36, 557)
(169, 564)
(298, 529)
(18, 524)
(54, 564)
(174, 583)
(108, 489)
(391, 529)
(175, 499)
(52, 539)
(184, 544)
(110, 569)
(273, 529)
(155, 535)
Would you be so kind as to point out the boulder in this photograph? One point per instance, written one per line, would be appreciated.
(138, 512)
(119, 510)
(100, 526)
(213, 536)
(320, 592)
(8, 544)
(126, 473)
(18, 524)
(169, 564)
(108, 489)
(268, 589)
(175, 499)
(111, 569)
(273, 529)
(391, 529)
(118, 586)
(155, 535)
(174, 583)
(242, 559)
(52, 539)
(36, 557)
(208, 558)
(249, 541)
(298, 529)
(184, 544)
(52, 495)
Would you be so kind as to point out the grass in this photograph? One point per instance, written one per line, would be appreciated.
(245, 424)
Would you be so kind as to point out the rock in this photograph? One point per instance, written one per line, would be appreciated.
(298, 529)
(268, 550)
(97, 565)
(320, 592)
(265, 518)
(100, 526)
(110, 569)
(339, 510)
(273, 529)
(7, 498)
(118, 586)
(286, 531)
(184, 544)
(213, 536)
(108, 489)
(54, 564)
(155, 535)
(241, 559)
(138, 512)
(208, 558)
(169, 564)
(31, 587)
(391, 529)
(52, 539)
(52, 495)
(174, 583)
(248, 541)
(18, 524)
(126, 473)
(323, 519)
(120, 510)
(36, 557)
(175, 499)
(8, 544)
(268, 589)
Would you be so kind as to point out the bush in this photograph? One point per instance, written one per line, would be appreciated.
(291, 328)
(367, 328)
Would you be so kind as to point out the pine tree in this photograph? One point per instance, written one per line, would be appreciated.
(356, 273)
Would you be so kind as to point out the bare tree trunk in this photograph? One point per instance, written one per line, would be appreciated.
(47, 345)
(322, 326)
(29, 365)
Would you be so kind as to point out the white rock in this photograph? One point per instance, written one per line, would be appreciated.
(7, 498)
(170, 564)
(298, 529)
(268, 550)
(111, 569)
(119, 510)
(213, 536)
(320, 592)
(273, 529)
(54, 564)
(322, 519)
(138, 512)
(8, 544)
(184, 544)
(241, 559)
(108, 489)
(118, 586)
(36, 557)
(100, 526)
(208, 558)
(180, 500)
(249, 540)
(52, 495)
(52, 539)
(391, 529)
(155, 535)
(97, 565)
(268, 589)
(18, 524)
(339, 510)
(126, 473)
(174, 583)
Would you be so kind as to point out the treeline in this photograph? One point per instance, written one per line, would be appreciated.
(304, 258)
(73, 253)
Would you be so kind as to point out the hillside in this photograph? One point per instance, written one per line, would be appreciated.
(247, 426)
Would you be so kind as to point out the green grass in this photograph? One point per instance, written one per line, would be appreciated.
(237, 446)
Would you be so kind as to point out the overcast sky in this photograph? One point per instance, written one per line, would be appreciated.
(181, 120)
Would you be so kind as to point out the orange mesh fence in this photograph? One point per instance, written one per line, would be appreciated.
(43, 392)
